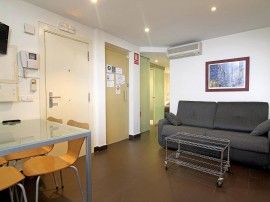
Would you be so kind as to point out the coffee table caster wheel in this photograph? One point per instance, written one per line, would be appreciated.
(227, 169)
(220, 182)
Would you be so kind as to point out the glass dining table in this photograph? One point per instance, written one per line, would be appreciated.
(28, 134)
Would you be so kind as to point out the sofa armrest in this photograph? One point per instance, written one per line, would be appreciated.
(161, 123)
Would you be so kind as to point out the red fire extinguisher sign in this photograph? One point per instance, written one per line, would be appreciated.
(136, 58)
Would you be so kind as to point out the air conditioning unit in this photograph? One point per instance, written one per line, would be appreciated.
(186, 50)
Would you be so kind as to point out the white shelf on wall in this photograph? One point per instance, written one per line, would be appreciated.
(9, 75)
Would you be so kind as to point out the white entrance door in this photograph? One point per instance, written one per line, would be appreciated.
(67, 80)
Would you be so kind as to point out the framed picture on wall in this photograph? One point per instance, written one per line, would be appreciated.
(227, 75)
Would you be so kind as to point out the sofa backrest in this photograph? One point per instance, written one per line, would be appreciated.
(196, 113)
(240, 116)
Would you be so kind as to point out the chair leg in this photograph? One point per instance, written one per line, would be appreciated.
(21, 196)
(55, 182)
(11, 194)
(78, 178)
(16, 193)
(23, 191)
(62, 182)
(37, 185)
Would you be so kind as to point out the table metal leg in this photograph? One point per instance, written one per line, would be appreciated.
(88, 169)
(228, 159)
(166, 158)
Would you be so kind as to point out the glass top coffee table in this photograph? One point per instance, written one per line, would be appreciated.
(203, 153)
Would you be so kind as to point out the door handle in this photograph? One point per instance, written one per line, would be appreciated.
(51, 97)
(56, 97)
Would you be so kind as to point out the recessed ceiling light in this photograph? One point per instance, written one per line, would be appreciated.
(156, 61)
(213, 8)
(94, 1)
(146, 29)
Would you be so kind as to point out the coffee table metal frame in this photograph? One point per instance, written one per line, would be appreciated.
(212, 165)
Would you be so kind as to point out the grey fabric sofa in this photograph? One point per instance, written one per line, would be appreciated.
(230, 120)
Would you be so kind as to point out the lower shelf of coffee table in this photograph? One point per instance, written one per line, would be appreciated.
(198, 162)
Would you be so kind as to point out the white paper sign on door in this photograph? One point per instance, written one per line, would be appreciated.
(118, 70)
(110, 84)
(117, 90)
(120, 79)
(110, 77)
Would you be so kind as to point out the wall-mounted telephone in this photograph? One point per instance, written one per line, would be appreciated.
(29, 60)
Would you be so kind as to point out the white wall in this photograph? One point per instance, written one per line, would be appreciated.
(167, 86)
(15, 13)
(188, 74)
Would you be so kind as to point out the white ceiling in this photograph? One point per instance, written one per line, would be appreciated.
(171, 22)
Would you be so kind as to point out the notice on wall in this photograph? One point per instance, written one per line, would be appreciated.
(113, 69)
(109, 68)
(110, 84)
(123, 79)
(120, 79)
(110, 77)
(136, 59)
(117, 90)
(118, 70)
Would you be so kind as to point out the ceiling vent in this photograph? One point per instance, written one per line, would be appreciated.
(186, 50)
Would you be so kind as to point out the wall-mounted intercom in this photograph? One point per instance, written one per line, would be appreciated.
(29, 60)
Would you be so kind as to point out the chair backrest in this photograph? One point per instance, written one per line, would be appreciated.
(78, 124)
(74, 146)
(50, 118)
(2, 160)
(9, 177)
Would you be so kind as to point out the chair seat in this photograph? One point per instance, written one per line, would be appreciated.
(2, 160)
(9, 177)
(29, 153)
(43, 165)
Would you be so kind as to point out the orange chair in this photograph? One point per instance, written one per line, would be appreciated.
(32, 152)
(41, 165)
(2, 160)
(10, 176)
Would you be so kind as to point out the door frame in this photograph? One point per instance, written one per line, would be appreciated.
(43, 28)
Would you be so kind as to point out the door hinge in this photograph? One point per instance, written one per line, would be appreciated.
(88, 56)
(88, 97)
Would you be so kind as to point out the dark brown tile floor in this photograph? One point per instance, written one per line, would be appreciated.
(133, 171)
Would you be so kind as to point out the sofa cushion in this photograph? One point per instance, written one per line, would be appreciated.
(262, 128)
(240, 116)
(242, 141)
(195, 113)
(174, 120)
(169, 130)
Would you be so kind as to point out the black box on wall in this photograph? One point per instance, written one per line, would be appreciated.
(4, 30)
